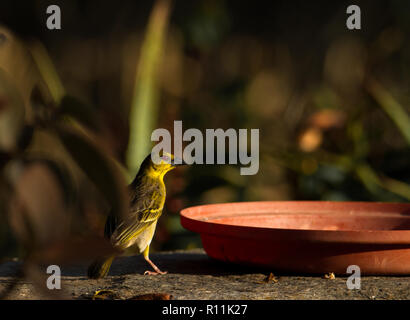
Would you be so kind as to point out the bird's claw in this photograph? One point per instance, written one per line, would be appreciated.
(154, 273)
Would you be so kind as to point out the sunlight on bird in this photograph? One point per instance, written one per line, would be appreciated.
(147, 197)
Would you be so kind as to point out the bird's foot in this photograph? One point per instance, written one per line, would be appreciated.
(154, 273)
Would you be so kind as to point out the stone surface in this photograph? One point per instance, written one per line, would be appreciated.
(192, 275)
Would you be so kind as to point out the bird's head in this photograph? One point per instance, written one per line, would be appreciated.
(159, 164)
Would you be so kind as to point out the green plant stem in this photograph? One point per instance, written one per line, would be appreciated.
(144, 107)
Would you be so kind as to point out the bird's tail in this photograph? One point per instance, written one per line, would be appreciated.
(100, 267)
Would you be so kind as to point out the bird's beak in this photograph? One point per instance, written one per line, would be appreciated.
(178, 162)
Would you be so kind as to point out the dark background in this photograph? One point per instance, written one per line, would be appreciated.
(318, 92)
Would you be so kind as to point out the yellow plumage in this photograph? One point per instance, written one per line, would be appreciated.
(147, 197)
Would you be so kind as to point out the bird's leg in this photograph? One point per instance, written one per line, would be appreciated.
(146, 257)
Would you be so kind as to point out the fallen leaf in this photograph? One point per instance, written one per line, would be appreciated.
(330, 276)
(269, 278)
(105, 295)
(100, 169)
(152, 296)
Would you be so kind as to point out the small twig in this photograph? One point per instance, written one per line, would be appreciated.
(390, 105)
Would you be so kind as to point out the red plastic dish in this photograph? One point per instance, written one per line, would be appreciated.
(306, 237)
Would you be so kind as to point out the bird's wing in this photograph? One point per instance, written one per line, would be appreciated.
(130, 228)
(138, 211)
(146, 204)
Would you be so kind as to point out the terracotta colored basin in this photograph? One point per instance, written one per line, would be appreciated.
(306, 237)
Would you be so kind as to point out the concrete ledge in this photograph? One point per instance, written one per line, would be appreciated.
(192, 275)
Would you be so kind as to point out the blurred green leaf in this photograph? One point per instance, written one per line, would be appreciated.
(144, 108)
(81, 112)
(47, 70)
(374, 183)
(368, 177)
(97, 166)
(391, 106)
(38, 212)
(397, 187)
(43, 107)
(12, 113)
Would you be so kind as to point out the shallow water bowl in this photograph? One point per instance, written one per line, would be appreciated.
(306, 237)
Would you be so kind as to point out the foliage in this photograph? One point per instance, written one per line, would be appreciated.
(332, 106)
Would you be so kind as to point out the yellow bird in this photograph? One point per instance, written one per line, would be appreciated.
(147, 197)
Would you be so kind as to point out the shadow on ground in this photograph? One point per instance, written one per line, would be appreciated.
(194, 263)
